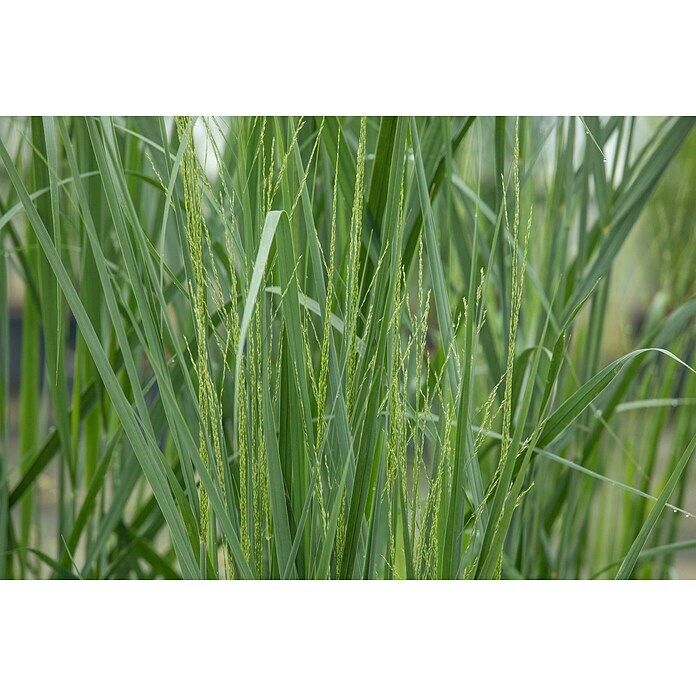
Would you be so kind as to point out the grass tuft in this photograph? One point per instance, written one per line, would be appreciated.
(380, 348)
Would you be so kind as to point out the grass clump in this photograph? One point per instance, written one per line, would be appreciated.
(342, 348)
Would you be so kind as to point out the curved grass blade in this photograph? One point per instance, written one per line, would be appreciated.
(631, 558)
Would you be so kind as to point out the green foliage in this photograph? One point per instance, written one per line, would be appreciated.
(341, 348)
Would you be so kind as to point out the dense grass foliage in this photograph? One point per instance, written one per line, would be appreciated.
(342, 348)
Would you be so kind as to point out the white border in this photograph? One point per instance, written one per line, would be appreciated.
(346, 637)
(360, 56)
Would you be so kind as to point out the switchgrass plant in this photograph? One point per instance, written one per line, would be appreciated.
(343, 348)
